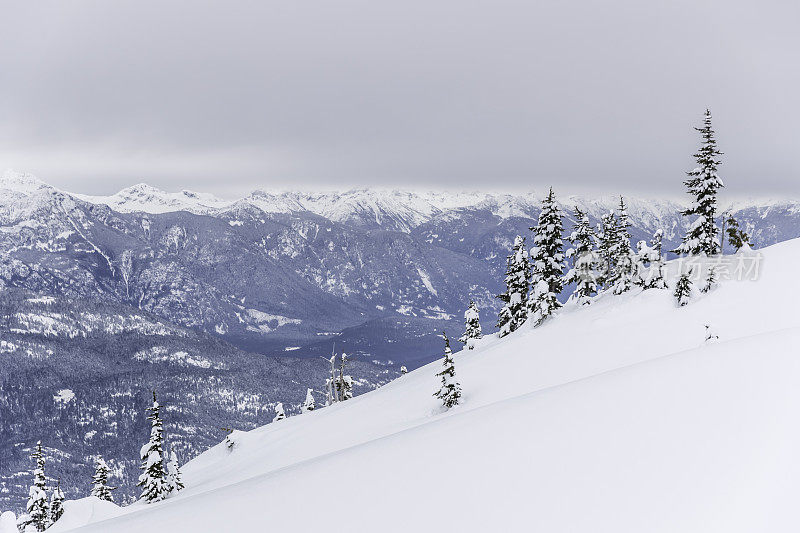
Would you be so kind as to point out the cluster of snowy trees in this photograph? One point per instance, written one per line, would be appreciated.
(603, 259)
(160, 477)
(41, 511)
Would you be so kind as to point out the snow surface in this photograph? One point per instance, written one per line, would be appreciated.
(80, 512)
(8, 522)
(616, 417)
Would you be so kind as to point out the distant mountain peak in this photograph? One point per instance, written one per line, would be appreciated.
(141, 188)
(21, 182)
(146, 198)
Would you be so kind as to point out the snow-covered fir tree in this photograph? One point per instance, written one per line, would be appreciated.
(153, 478)
(621, 278)
(641, 264)
(174, 473)
(547, 262)
(280, 414)
(657, 262)
(736, 236)
(309, 404)
(606, 239)
(515, 298)
(584, 260)
(57, 503)
(345, 387)
(683, 289)
(450, 391)
(472, 329)
(344, 382)
(100, 488)
(37, 507)
(702, 185)
(649, 264)
(710, 281)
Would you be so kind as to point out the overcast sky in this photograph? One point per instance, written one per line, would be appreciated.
(499, 94)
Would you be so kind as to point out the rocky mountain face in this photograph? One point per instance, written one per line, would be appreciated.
(225, 306)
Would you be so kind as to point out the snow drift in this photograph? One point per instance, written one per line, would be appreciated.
(617, 417)
(81, 512)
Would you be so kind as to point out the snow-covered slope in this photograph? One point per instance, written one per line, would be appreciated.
(618, 417)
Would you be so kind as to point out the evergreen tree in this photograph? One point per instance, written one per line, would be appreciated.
(344, 382)
(346, 387)
(621, 278)
(37, 506)
(547, 258)
(683, 289)
(153, 479)
(657, 262)
(710, 281)
(56, 503)
(450, 391)
(280, 414)
(100, 488)
(515, 310)
(472, 330)
(174, 473)
(584, 260)
(702, 184)
(309, 404)
(649, 264)
(736, 236)
(606, 238)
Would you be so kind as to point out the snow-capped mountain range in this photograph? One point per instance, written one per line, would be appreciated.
(395, 210)
(277, 271)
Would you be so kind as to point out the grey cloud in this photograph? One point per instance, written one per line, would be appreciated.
(228, 96)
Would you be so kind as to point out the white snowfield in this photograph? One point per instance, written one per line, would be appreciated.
(618, 417)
